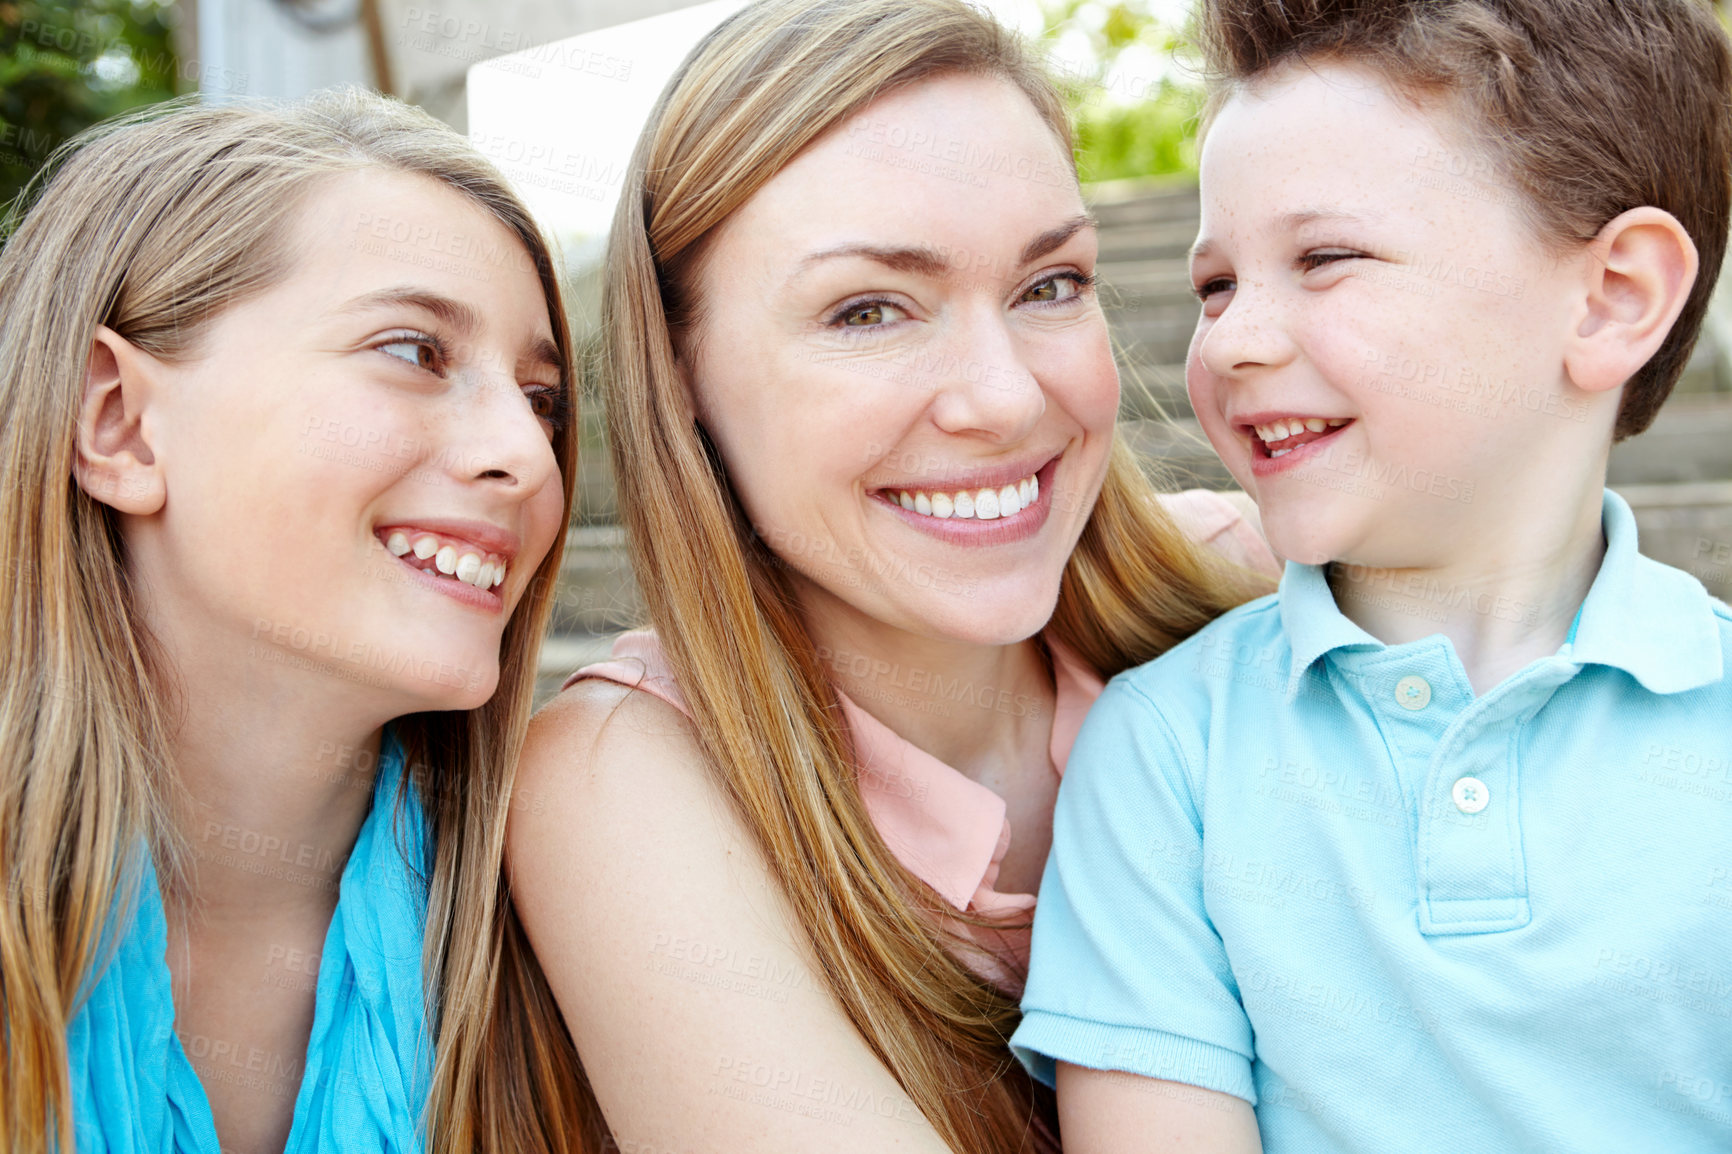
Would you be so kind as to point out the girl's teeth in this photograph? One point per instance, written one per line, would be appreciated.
(1315, 424)
(469, 567)
(978, 504)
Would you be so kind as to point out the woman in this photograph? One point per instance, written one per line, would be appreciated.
(862, 400)
(285, 398)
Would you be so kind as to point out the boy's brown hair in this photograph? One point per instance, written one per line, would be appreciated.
(1588, 108)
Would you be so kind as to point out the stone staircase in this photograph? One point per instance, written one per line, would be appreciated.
(1677, 476)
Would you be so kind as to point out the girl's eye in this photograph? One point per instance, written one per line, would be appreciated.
(422, 352)
(1209, 288)
(1061, 287)
(550, 404)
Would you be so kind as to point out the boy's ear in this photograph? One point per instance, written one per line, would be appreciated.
(1640, 269)
(115, 461)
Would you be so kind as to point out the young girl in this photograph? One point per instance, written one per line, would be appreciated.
(862, 405)
(284, 397)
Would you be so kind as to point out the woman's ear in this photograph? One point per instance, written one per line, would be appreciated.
(115, 462)
(688, 396)
(1640, 270)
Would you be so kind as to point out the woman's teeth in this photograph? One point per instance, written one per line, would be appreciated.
(978, 504)
(467, 566)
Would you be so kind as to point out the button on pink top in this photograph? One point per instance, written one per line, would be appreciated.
(948, 829)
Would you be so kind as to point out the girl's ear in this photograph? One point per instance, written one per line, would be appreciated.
(116, 462)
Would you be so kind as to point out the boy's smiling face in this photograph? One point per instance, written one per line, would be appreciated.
(1380, 356)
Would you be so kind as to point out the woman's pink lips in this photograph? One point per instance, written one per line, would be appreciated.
(969, 531)
(461, 591)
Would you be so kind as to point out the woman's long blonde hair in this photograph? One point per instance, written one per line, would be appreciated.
(152, 226)
(762, 86)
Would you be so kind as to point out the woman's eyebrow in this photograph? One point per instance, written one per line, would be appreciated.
(924, 260)
(1054, 237)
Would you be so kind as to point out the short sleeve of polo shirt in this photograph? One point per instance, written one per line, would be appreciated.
(1126, 971)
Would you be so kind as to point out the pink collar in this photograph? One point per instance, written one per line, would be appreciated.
(946, 827)
(949, 830)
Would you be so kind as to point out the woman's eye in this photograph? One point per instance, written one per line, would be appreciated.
(420, 353)
(1062, 287)
(867, 314)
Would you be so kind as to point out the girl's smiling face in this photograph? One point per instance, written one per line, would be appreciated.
(1382, 336)
(903, 365)
(357, 463)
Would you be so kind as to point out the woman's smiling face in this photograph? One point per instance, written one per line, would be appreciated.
(907, 308)
(358, 463)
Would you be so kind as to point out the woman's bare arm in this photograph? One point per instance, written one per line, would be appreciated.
(681, 975)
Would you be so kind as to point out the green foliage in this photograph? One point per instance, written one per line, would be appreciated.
(64, 66)
(1153, 137)
(1127, 125)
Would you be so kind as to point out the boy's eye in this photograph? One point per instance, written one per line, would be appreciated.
(1316, 260)
(420, 352)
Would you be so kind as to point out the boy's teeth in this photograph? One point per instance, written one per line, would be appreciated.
(977, 504)
(1292, 426)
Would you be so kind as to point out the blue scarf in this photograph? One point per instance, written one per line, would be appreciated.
(369, 1059)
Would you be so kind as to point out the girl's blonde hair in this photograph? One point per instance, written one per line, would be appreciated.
(761, 87)
(153, 225)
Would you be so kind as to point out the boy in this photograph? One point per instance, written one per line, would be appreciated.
(1408, 857)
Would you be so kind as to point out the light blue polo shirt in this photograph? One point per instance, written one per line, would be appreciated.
(1311, 870)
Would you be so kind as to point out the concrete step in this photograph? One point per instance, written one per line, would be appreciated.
(1690, 440)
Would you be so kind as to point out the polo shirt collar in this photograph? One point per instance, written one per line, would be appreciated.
(1312, 622)
(1654, 622)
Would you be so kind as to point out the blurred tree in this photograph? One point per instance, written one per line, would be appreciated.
(1135, 95)
(66, 65)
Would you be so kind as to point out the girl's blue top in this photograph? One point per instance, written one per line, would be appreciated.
(368, 1065)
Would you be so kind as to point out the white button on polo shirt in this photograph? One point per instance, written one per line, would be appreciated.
(1470, 795)
(1413, 692)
